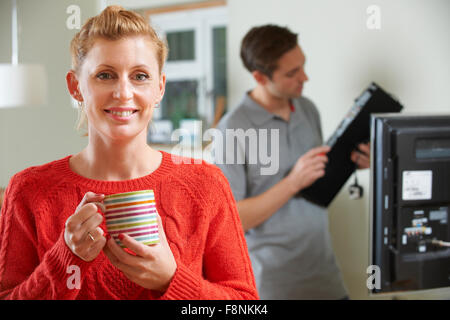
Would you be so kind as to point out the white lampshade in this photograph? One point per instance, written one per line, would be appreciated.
(22, 85)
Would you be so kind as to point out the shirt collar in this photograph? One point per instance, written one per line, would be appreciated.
(255, 112)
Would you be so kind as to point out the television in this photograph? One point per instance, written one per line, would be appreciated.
(410, 202)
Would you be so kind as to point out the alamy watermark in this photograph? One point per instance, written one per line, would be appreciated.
(74, 280)
(234, 146)
(74, 19)
(374, 19)
(374, 279)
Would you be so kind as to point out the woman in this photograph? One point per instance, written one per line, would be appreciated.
(53, 243)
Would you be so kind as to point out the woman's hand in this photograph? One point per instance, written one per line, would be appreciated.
(152, 267)
(83, 234)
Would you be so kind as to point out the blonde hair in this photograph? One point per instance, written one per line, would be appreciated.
(113, 23)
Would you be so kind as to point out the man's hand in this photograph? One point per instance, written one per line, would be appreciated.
(362, 157)
(309, 168)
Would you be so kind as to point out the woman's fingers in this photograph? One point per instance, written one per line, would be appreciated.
(154, 270)
(74, 222)
(161, 232)
(95, 234)
(118, 257)
(82, 232)
(79, 229)
(92, 222)
(138, 248)
(90, 197)
(98, 241)
(85, 210)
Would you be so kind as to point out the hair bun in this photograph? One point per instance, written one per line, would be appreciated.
(115, 8)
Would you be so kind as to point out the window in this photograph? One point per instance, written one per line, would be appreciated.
(196, 87)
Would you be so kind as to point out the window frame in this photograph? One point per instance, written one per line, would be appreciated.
(202, 21)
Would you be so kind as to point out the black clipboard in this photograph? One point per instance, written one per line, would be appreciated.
(353, 130)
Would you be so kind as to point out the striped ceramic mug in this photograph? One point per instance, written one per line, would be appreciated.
(132, 213)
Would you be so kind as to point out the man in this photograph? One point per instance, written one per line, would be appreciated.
(287, 237)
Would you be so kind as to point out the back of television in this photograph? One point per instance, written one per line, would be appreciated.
(410, 202)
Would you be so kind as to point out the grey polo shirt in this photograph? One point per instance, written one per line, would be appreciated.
(291, 252)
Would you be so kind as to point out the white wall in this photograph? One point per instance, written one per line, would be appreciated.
(32, 136)
(140, 4)
(408, 56)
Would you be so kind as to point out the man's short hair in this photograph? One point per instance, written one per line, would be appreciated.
(262, 47)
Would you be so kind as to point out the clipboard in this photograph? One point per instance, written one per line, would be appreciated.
(353, 130)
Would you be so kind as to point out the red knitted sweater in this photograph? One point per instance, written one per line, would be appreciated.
(199, 217)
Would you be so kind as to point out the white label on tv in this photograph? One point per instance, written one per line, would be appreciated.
(417, 185)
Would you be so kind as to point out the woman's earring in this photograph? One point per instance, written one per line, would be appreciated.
(80, 104)
(157, 105)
